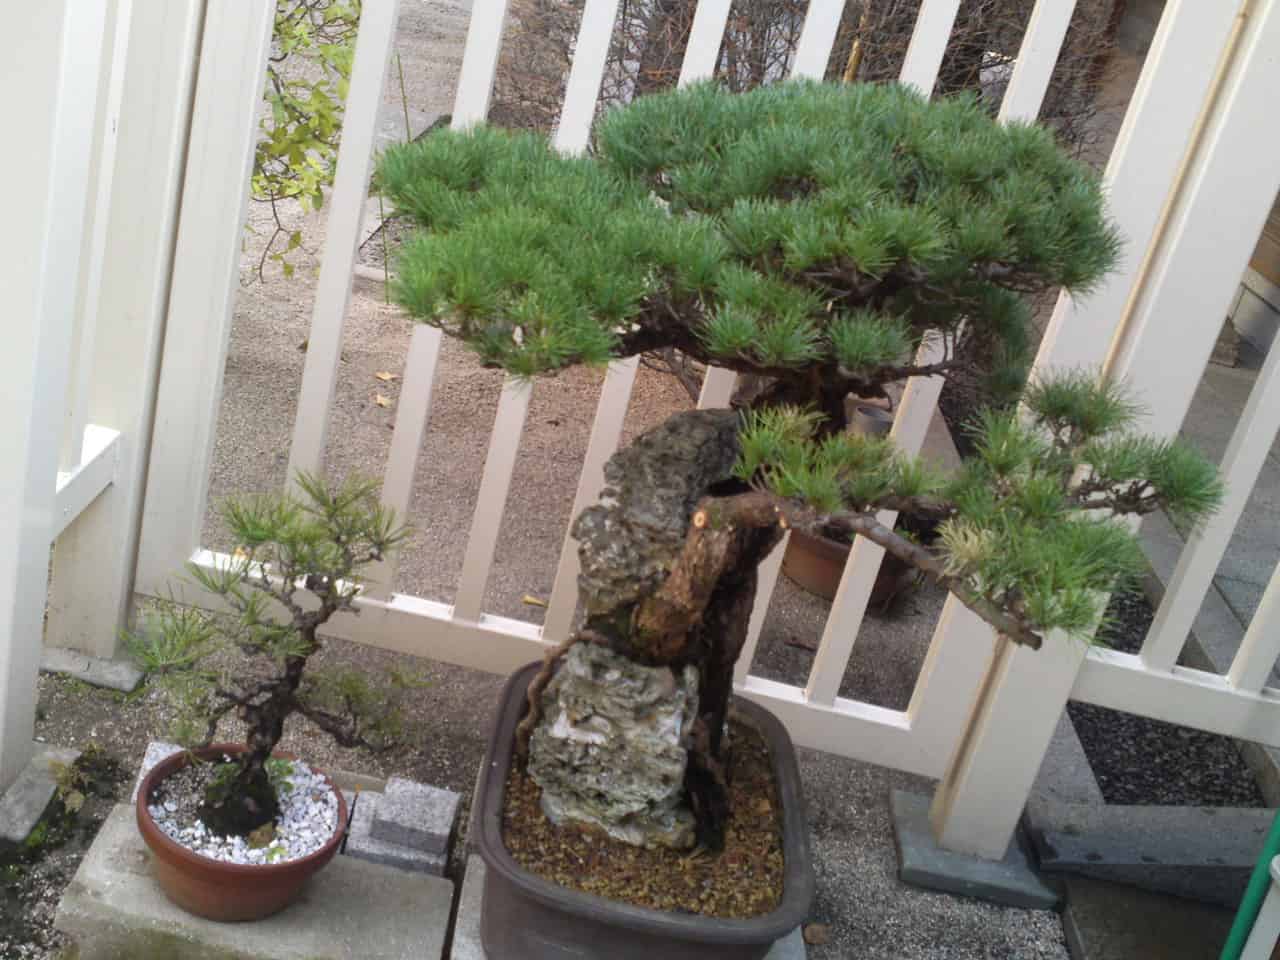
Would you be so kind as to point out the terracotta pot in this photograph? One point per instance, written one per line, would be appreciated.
(816, 564)
(214, 889)
(524, 917)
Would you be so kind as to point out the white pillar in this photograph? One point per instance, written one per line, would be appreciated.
(47, 74)
(94, 558)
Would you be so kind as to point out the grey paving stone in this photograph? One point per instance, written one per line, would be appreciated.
(362, 844)
(415, 815)
(157, 750)
(27, 798)
(1109, 921)
(922, 863)
(351, 910)
(466, 927)
(113, 674)
(1199, 853)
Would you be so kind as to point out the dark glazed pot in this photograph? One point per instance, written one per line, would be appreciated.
(225, 891)
(524, 917)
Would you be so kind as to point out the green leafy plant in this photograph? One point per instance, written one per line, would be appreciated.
(299, 563)
(313, 45)
(816, 237)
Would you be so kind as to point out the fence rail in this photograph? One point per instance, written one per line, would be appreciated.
(1192, 155)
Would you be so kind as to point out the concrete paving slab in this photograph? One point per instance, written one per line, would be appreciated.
(1108, 921)
(113, 674)
(27, 798)
(1199, 853)
(363, 845)
(157, 750)
(922, 863)
(415, 815)
(351, 910)
(466, 926)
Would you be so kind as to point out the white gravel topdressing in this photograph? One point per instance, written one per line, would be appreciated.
(307, 821)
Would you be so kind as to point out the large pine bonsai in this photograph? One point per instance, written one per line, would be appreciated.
(813, 236)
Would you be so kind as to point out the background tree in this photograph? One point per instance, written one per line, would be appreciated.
(813, 236)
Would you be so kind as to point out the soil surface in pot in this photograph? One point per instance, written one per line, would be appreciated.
(307, 820)
(745, 880)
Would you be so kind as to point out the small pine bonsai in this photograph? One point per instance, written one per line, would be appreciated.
(813, 236)
(298, 563)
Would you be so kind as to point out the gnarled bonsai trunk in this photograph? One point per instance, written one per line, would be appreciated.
(668, 583)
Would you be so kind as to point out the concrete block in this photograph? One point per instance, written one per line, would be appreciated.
(27, 798)
(1200, 853)
(113, 674)
(1107, 921)
(362, 844)
(415, 815)
(466, 926)
(157, 750)
(922, 863)
(351, 910)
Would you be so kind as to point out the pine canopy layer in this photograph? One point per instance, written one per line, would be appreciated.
(804, 231)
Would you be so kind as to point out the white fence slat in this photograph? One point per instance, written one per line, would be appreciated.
(342, 234)
(206, 267)
(979, 802)
(1037, 56)
(816, 38)
(479, 62)
(717, 388)
(413, 411)
(87, 315)
(1192, 698)
(1198, 562)
(1210, 233)
(97, 558)
(583, 89)
(928, 44)
(606, 431)
(48, 75)
(491, 500)
(766, 581)
(1261, 644)
(1177, 75)
(705, 36)
(94, 471)
(915, 411)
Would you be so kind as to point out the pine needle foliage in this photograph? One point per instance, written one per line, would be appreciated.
(1033, 524)
(811, 233)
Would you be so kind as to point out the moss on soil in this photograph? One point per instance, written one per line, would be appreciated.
(745, 880)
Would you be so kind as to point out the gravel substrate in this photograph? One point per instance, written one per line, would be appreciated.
(308, 817)
(1141, 761)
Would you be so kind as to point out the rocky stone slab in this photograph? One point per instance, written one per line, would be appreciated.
(466, 928)
(362, 845)
(1012, 881)
(1199, 853)
(113, 674)
(27, 798)
(351, 910)
(415, 815)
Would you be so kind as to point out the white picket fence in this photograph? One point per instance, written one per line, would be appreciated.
(1190, 182)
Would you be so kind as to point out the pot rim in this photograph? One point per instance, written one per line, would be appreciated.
(163, 844)
(798, 878)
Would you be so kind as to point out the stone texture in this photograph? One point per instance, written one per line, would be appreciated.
(466, 926)
(1199, 853)
(1107, 921)
(27, 798)
(113, 674)
(415, 815)
(362, 845)
(157, 750)
(609, 750)
(922, 863)
(349, 911)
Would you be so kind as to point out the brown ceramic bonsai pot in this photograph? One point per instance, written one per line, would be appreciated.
(214, 889)
(524, 917)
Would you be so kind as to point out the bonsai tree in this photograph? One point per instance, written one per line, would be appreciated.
(816, 237)
(298, 563)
